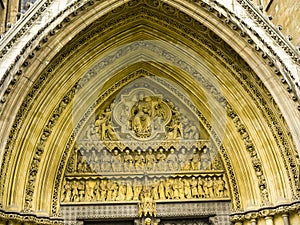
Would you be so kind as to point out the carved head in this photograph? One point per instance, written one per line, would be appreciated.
(147, 221)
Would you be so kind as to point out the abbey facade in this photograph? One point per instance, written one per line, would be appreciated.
(150, 112)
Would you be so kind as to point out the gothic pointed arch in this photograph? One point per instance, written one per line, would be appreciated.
(207, 81)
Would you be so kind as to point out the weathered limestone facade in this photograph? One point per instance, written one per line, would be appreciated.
(149, 112)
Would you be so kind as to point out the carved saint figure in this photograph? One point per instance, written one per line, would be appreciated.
(161, 190)
(100, 125)
(180, 185)
(141, 114)
(110, 133)
(183, 162)
(169, 189)
(194, 188)
(122, 193)
(116, 162)
(205, 159)
(137, 188)
(139, 161)
(81, 190)
(128, 161)
(220, 187)
(104, 126)
(155, 190)
(129, 191)
(75, 194)
(97, 190)
(189, 129)
(91, 133)
(205, 188)
(187, 189)
(175, 130)
(67, 194)
(210, 190)
(109, 192)
(89, 191)
(103, 190)
(114, 191)
(172, 161)
(161, 156)
(200, 188)
(150, 160)
(105, 161)
(195, 161)
(215, 187)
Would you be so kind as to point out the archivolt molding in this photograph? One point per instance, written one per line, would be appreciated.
(51, 123)
(241, 130)
(231, 19)
(69, 15)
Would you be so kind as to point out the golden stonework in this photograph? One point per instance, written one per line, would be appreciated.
(143, 148)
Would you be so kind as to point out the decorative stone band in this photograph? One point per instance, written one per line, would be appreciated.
(135, 145)
(15, 218)
(210, 209)
(267, 213)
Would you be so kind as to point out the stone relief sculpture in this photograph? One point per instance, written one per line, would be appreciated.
(141, 115)
(94, 160)
(209, 186)
(147, 206)
(104, 126)
(143, 149)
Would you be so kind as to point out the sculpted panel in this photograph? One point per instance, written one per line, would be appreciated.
(143, 148)
(147, 189)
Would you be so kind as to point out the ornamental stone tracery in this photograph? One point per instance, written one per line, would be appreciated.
(134, 131)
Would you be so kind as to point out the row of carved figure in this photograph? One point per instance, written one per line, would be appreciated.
(127, 190)
(160, 160)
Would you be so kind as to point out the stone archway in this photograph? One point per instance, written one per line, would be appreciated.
(217, 64)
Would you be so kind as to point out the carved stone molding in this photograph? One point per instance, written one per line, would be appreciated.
(72, 213)
(26, 219)
(278, 134)
(212, 8)
(268, 212)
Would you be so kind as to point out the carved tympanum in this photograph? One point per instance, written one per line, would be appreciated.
(142, 147)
